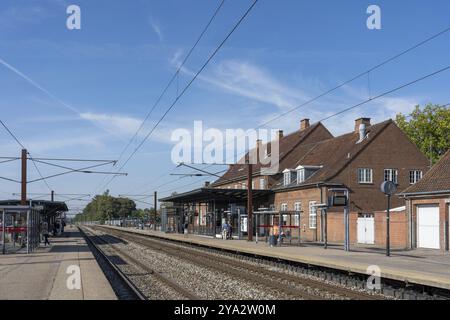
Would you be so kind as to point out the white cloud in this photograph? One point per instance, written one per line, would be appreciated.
(121, 126)
(156, 28)
(253, 82)
(114, 123)
(19, 15)
(44, 146)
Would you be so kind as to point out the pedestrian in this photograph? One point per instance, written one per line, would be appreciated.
(44, 232)
(230, 231)
(225, 230)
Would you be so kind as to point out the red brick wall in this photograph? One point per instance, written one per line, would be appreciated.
(304, 196)
(391, 149)
(398, 234)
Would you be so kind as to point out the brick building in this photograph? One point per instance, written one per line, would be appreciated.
(312, 163)
(358, 161)
(428, 205)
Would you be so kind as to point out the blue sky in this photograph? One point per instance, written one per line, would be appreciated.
(100, 81)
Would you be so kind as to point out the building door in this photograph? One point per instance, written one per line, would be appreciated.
(428, 227)
(366, 228)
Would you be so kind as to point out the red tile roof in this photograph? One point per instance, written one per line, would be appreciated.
(332, 154)
(287, 145)
(435, 180)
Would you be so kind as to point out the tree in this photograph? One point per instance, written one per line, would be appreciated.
(429, 129)
(105, 207)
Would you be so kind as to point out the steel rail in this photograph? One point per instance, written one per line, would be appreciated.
(158, 275)
(132, 288)
(330, 288)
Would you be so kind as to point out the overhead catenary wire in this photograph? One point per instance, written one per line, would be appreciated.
(357, 76)
(385, 93)
(371, 99)
(366, 72)
(168, 85)
(173, 78)
(29, 154)
(213, 54)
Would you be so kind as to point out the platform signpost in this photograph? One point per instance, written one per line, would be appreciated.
(342, 200)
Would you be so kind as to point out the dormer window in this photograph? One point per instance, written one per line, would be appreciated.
(287, 178)
(304, 172)
(301, 175)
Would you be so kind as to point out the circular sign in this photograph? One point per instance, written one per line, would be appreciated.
(388, 187)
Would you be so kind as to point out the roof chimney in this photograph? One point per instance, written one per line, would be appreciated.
(304, 124)
(358, 122)
(206, 183)
(280, 134)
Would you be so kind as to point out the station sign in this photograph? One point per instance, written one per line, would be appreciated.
(337, 201)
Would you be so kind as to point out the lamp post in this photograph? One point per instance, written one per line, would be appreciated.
(388, 188)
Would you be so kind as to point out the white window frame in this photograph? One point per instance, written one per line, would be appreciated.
(262, 183)
(284, 207)
(312, 215)
(365, 175)
(391, 175)
(287, 178)
(415, 176)
(244, 186)
(300, 176)
(253, 184)
(297, 209)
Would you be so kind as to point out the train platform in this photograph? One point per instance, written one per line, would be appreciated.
(422, 266)
(51, 273)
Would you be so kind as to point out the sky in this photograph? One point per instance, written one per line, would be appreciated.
(84, 93)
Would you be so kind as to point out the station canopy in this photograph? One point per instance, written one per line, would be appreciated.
(209, 194)
(49, 208)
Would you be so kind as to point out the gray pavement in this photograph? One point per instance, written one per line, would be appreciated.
(45, 273)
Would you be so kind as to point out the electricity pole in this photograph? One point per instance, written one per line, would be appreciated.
(23, 196)
(249, 203)
(156, 206)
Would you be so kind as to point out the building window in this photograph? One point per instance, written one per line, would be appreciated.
(391, 175)
(285, 219)
(253, 184)
(262, 183)
(300, 176)
(365, 175)
(287, 178)
(236, 186)
(284, 207)
(312, 215)
(244, 186)
(297, 209)
(415, 176)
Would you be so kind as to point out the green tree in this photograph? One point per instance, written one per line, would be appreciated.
(105, 207)
(428, 128)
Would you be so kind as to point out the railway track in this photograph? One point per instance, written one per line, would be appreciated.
(290, 285)
(158, 276)
(125, 290)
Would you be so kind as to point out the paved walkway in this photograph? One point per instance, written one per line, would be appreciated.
(42, 275)
(427, 267)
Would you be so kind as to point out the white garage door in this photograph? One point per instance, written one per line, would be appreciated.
(428, 227)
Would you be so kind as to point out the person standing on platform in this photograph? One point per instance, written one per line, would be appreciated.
(44, 232)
